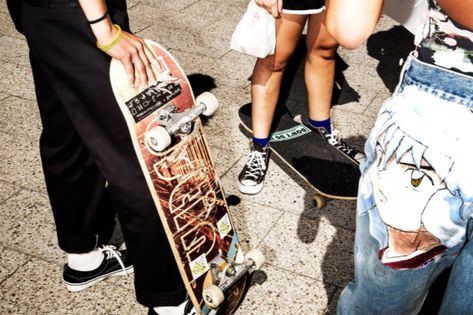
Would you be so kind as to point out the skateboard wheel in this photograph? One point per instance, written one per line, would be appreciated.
(210, 102)
(213, 296)
(256, 257)
(319, 201)
(157, 139)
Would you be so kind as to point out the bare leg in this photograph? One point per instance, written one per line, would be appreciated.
(319, 67)
(319, 77)
(267, 74)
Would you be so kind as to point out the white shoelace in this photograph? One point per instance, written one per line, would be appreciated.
(111, 251)
(256, 164)
(335, 140)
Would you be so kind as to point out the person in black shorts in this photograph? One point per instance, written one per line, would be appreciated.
(291, 17)
(89, 163)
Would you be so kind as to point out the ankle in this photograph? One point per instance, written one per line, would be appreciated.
(86, 261)
(263, 142)
(326, 124)
(185, 307)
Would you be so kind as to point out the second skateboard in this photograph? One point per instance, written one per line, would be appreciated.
(330, 173)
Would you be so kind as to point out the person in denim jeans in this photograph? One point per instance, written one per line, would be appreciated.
(415, 200)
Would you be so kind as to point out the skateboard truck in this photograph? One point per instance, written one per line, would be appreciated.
(226, 273)
(172, 122)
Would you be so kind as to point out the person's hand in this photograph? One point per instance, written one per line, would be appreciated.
(134, 54)
(274, 7)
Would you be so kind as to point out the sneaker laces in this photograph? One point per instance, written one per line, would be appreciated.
(335, 140)
(111, 251)
(256, 164)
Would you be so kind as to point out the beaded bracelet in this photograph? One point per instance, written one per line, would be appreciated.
(114, 41)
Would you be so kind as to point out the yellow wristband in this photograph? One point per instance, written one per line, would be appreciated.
(114, 41)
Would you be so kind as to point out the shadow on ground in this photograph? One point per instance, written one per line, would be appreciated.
(389, 48)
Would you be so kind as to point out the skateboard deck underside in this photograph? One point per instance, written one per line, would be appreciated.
(329, 172)
(182, 178)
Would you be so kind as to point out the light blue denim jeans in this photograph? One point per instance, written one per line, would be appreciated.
(415, 198)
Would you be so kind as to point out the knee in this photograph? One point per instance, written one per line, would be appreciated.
(322, 53)
(274, 63)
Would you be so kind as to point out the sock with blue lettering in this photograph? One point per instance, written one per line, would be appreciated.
(261, 141)
(322, 123)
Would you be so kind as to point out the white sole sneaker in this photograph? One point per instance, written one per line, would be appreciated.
(250, 190)
(76, 287)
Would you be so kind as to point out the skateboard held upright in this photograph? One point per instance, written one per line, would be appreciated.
(174, 155)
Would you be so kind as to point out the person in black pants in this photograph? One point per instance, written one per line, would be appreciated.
(89, 163)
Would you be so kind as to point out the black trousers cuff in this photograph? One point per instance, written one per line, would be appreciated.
(161, 299)
(85, 244)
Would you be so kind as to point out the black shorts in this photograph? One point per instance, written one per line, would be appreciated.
(303, 6)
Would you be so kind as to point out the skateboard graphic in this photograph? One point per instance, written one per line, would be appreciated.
(330, 173)
(173, 152)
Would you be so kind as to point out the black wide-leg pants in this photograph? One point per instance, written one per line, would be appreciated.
(85, 144)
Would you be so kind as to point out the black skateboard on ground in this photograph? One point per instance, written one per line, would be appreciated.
(330, 173)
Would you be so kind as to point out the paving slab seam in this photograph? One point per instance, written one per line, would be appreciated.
(131, 6)
(269, 228)
(36, 257)
(335, 286)
(375, 97)
(143, 29)
(271, 206)
(18, 97)
(29, 77)
(2, 59)
(337, 226)
(288, 271)
(199, 54)
(300, 214)
(223, 174)
(28, 189)
(193, 3)
(12, 273)
(2, 201)
(340, 109)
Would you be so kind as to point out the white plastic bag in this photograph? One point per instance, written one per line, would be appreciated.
(410, 13)
(255, 34)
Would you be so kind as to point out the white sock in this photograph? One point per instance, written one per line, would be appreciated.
(171, 310)
(85, 262)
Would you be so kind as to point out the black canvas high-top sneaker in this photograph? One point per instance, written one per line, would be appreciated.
(253, 173)
(336, 141)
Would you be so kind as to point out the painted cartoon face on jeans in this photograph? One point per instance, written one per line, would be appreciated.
(418, 189)
(402, 192)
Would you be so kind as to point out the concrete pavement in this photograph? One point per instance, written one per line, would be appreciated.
(309, 252)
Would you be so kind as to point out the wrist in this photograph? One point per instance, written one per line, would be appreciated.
(98, 19)
(104, 31)
(112, 43)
